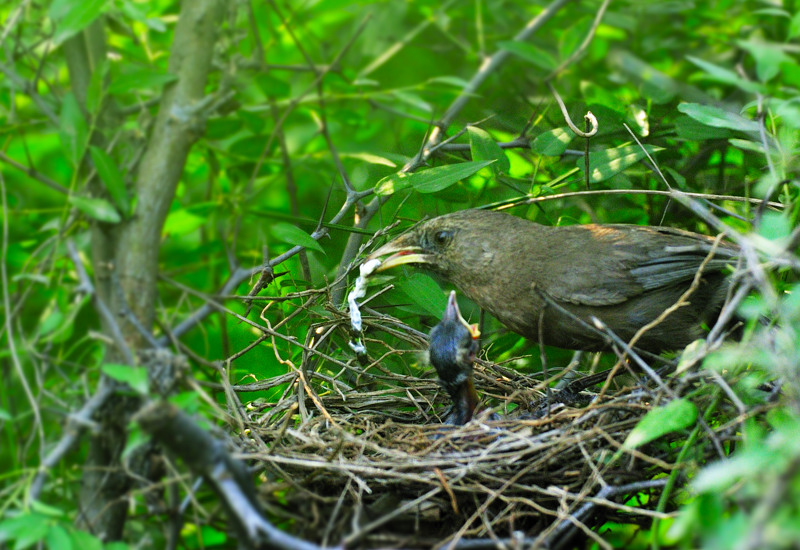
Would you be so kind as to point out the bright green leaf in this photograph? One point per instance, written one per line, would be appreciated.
(72, 129)
(553, 143)
(135, 377)
(112, 178)
(97, 209)
(25, 529)
(85, 541)
(430, 180)
(74, 16)
(483, 147)
(531, 54)
(289, 233)
(717, 117)
(794, 26)
(672, 417)
(5, 415)
(182, 222)
(604, 164)
(57, 538)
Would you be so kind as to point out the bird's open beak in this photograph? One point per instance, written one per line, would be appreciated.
(452, 313)
(399, 251)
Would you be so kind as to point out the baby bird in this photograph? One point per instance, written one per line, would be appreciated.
(452, 348)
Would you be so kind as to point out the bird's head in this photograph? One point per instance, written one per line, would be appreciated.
(453, 245)
(453, 344)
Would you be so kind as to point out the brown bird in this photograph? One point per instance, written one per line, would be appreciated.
(452, 348)
(525, 274)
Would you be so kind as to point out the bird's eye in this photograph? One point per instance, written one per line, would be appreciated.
(441, 238)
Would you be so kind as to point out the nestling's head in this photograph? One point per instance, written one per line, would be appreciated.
(452, 349)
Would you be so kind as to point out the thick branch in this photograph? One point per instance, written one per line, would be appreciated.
(175, 130)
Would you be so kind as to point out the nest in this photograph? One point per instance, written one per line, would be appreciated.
(374, 467)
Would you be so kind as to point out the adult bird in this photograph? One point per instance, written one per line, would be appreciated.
(452, 348)
(550, 283)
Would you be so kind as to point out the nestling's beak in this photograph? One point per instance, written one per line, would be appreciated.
(402, 250)
(452, 313)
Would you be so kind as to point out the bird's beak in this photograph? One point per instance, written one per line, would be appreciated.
(402, 250)
(452, 313)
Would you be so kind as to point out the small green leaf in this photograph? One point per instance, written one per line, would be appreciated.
(72, 130)
(674, 416)
(424, 292)
(139, 80)
(182, 222)
(553, 143)
(135, 377)
(531, 54)
(74, 15)
(112, 178)
(5, 415)
(431, 180)
(717, 118)
(288, 233)
(449, 80)
(604, 164)
(98, 209)
(794, 26)
(483, 147)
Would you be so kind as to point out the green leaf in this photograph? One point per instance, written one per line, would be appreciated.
(112, 178)
(431, 180)
(182, 222)
(768, 58)
(288, 233)
(553, 143)
(73, 130)
(450, 81)
(531, 54)
(688, 128)
(717, 118)
(273, 87)
(85, 541)
(483, 147)
(424, 292)
(139, 80)
(5, 416)
(794, 26)
(135, 377)
(96, 91)
(25, 529)
(74, 15)
(716, 73)
(604, 164)
(674, 416)
(97, 209)
(58, 538)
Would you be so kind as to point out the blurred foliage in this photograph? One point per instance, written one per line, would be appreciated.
(709, 88)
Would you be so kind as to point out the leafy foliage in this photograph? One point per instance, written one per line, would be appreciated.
(327, 108)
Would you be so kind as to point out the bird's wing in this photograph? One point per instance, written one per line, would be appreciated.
(632, 265)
